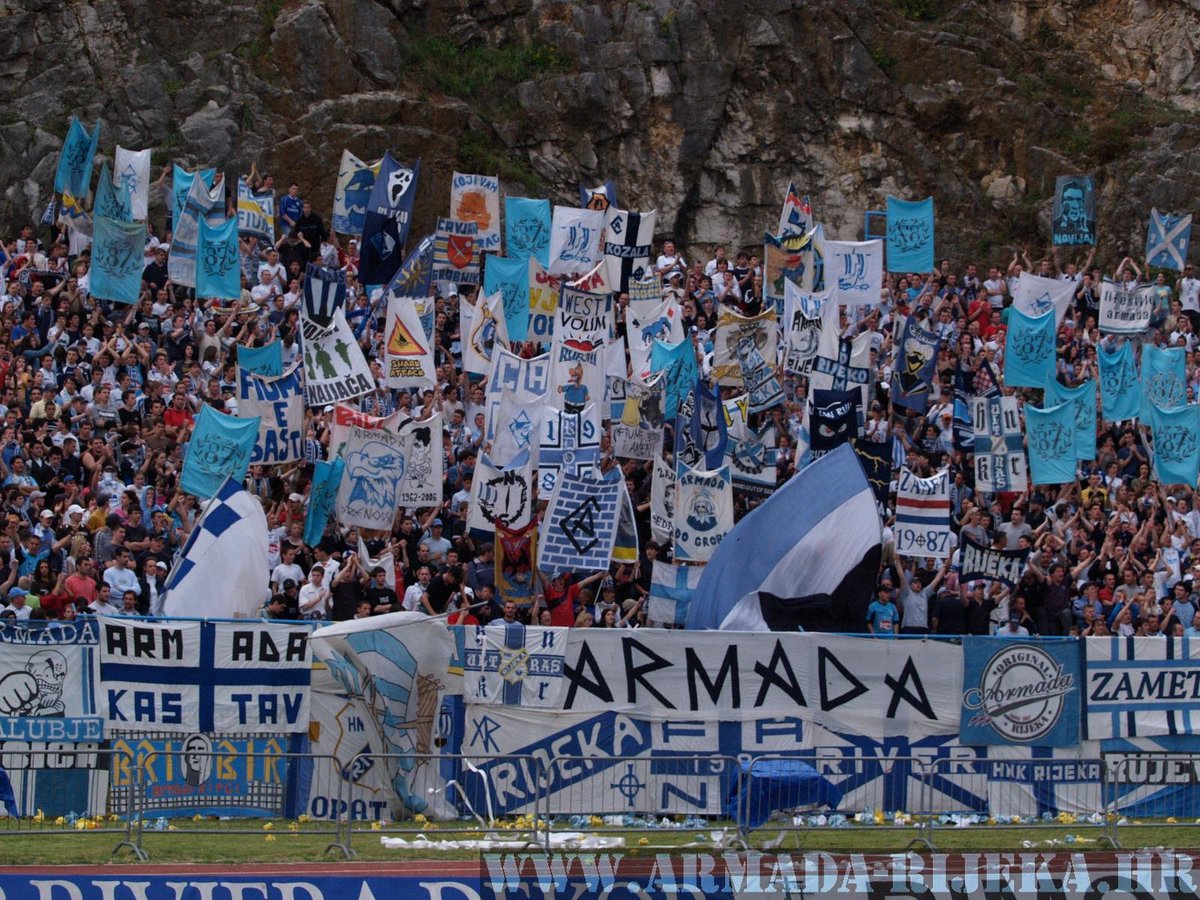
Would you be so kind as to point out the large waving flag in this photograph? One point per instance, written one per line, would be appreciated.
(74, 174)
(266, 360)
(1167, 240)
(1083, 406)
(181, 186)
(220, 448)
(1050, 435)
(816, 545)
(227, 545)
(796, 216)
(527, 228)
(387, 220)
(1035, 295)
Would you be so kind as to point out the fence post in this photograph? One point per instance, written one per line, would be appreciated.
(1109, 794)
(925, 828)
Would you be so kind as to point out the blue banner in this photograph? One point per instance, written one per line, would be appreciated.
(679, 362)
(1164, 380)
(219, 261)
(181, 186)
(916, 366)
(1029, 349)
(1023, 693)
(1050, 434)
(510, 276)
(1120, 392)
(266, 360)
(134, 882)
(1176, 444)
(118, 261)
(327, 477)
(220, 448)
(1167, 240)
(1083, 402)
(910, 235)
(111, 202)
(414, 278)
(74, 173)
(527, 228)
(1074, 218)
(389, 215)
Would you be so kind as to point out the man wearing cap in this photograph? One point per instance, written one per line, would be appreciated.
(882, 614)
(438, 545)
(17, 597)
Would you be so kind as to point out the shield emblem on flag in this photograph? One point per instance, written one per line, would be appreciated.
(460, 249)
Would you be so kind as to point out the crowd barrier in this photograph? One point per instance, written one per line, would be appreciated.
(752, 802)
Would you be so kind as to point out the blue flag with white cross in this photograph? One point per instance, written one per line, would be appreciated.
(671, 589)
(1167, 240)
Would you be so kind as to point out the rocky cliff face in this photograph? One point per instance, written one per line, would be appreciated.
(703, 109)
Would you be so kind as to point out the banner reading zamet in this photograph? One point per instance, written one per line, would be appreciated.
(980, 562)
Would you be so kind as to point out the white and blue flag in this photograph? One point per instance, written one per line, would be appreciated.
(1167, 240)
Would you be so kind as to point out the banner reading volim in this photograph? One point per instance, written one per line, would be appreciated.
(1017, 692)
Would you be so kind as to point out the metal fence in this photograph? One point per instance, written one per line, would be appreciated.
(67, 789)
(546, 802)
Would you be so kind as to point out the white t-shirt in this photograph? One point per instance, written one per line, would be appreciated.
(278, 273)
(1189, 293)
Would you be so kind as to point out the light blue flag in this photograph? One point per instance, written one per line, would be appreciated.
(678, 361)
(181, 185)
(1050, 434)
(218, 261)
(74, 173)
(910, 235)
(266, 360)
(327, 477)
(1029, 349)
(111, 202)
(1167, 240)
(220, 448)
(1164, 380)
(527, 228)
(1083, 402)
(1177, 444)
(117, 259)
(1120, 393)
(510, 276)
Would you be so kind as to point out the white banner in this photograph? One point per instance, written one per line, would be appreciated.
(334, 366)
(1035, 295)
(662, 501)
(923, 515)
(476, 198)
(644, 325)
(47, 688)
(132, 167)
(855, 268)
(703, 512)
(511, 665)
(279, 404)
(407, 350)
(504, 494)
(388, 470)
(1125, 312)
(245, 678)
(736, 336)
(802, 327)
(575, 240)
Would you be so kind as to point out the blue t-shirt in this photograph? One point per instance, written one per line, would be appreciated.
(883, 618)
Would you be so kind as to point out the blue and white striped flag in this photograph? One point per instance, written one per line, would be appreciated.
(324, 294)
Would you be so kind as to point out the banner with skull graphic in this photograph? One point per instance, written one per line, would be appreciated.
(47, 684)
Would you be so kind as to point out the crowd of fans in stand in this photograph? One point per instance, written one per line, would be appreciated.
(98, 400)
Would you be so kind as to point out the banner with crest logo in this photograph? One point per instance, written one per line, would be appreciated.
(527, 229)
(856, 270)
(501, 495)
(627, 245)
(703, 512)
(117, 259)
(1050, 436)
(510, 278)
(456, 252)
